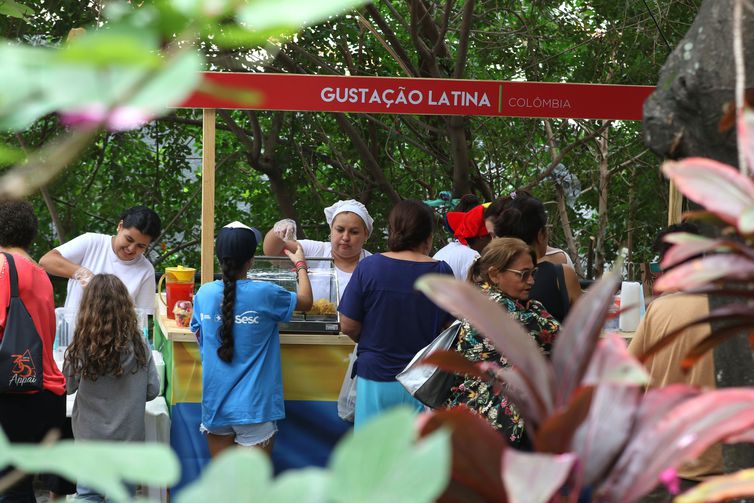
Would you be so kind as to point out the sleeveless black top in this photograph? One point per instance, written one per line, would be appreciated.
(550, 289)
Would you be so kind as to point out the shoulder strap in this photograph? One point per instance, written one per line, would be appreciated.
(13, 274)
(562, 287)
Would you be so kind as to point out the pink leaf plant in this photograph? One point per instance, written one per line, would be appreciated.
(597, 435)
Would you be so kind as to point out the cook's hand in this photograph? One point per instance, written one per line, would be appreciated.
(297, 256)
(285, 229)
(83, 276)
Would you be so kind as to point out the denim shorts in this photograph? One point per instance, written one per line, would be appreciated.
(247, 435)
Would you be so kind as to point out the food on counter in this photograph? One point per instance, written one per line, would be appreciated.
(182, 312)
(322, 306)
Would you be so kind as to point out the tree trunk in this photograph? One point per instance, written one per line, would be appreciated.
(681, 117)
(604, 174)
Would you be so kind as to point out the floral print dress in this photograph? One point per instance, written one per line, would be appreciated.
(478, 395)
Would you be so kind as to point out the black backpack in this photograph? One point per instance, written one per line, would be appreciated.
(21, 346)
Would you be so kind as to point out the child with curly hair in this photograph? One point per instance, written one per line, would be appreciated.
(110, 364)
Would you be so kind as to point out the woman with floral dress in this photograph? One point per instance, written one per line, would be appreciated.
(505, 272)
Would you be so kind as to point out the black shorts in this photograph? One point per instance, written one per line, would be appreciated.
(26, 418)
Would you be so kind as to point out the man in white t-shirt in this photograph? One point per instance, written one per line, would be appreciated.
(471, 236)
(121, 255)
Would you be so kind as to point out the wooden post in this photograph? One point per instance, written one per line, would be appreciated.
(208, 195)
(675, 204)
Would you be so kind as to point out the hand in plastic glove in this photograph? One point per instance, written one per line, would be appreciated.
(285, 229)
(83, 276)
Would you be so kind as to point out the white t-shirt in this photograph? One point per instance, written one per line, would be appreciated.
(324, 249)
(459, 257)
(555, 251)
(95, 252)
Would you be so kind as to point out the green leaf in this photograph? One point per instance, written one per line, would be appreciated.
(171, 85)
(122, 45)
(381, 457)
(15, 9)
(10, 155)
(369, 450)
(234, 36)
(294, 486)
(100, 465)
(204, 8)
(289, 15)
(233, 476)
(421, 475)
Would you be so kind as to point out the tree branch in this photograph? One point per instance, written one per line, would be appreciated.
(559, 158)
(401, 55)
(463, 43)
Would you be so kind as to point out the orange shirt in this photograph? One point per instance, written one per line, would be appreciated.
(35, 290)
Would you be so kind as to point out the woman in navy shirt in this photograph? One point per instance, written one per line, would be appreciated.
(382, 311)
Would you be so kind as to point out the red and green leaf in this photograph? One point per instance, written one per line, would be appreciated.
(603, 435)
(477, 455)
(741, 314)
(701, 271)
(718, 187)
(555, 434)
(574, 346)
(680, 435)
(725, 487)
(532, 477)
(466, 301)
(611, 363)
(453, 361)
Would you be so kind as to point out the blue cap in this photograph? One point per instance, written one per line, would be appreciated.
(237, 241)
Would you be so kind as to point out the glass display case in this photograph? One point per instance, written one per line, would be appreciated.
(323, 316)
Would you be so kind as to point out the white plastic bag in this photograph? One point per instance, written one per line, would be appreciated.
(427, 383)
(347, 396)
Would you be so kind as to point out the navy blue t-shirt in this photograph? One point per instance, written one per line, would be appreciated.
(397, 321)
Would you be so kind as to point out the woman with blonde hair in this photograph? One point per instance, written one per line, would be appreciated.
(505, 272)
(521, 215)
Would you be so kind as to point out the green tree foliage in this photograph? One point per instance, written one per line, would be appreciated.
(274, 164)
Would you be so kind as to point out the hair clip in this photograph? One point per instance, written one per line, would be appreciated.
(513, 195)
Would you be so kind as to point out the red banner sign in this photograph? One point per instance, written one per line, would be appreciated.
(328, 93)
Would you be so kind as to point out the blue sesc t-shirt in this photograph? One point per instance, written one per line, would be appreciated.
(249, 389)
(397, 321)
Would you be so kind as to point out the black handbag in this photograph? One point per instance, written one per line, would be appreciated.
(21, 346)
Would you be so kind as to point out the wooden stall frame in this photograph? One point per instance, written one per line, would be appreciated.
(352, 94)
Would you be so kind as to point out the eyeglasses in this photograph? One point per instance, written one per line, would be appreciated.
(525, 274)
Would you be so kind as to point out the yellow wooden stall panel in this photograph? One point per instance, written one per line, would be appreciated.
(187, 373)
(313, 372)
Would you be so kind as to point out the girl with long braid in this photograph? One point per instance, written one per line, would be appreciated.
(236, 323)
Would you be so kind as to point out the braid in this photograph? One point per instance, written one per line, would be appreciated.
(230, 271)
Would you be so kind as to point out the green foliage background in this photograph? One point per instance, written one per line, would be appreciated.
(598, 41)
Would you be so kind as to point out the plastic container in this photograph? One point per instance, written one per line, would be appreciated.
(179, 285)
(611, 323)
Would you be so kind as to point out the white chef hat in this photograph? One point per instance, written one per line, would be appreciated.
(353, 206)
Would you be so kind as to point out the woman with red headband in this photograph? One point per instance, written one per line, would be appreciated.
(471, 236)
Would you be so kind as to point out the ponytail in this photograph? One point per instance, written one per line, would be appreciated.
(474, 275)
(230, 272)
